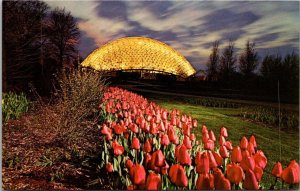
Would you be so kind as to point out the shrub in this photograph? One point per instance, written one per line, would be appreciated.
(270, 116)
(79, 93)
(14, 105)
(211, 102)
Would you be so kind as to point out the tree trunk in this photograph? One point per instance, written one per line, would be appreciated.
(4, 73)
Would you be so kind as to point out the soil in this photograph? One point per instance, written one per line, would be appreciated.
(32, 158)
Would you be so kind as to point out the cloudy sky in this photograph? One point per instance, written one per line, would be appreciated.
(189, 26)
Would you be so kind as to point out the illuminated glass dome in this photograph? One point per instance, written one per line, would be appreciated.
(138, 53)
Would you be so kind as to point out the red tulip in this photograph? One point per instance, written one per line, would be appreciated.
(209, 145)
(245, 154)
(133, 127)
(218, 158)
(135, 143)
(224, 132)
(251, 148)
(250, 182)
(195, 123)
(178, 176)
(129, 163)
(172, 135)
(186, 130)
(119, 129)
(225, 184)
(212, 161)
(220, 182)
(153, 128)
(236, 154)
(212, 136)
(158, 158)
(234, 173)
(222, 141)
(109, 135)
(138, 174)
(187, 142)
(223, 152)
(248, 163)
(228, 145)
(164, 115)
(258, 173)
(131, 187)
(260, 159)
(205, 182)
(147, 147)
(244, 143)
(161, 127)
(118, 149)
(277, 170)
(183, 156)
(205, 138)
(290, 174)
(164, 169)
(153, 182)
(165, 140)
(217, 178)
(193, 137)
(183, 118)
(204, 130)
(104, 129)
(126, 135)
(202, 163)
(148, 158)
(253, 141)
(109, 167)
(173, 120)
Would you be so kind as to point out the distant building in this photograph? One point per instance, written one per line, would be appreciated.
(139, 54)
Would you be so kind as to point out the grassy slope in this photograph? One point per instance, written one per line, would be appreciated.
(267, 138)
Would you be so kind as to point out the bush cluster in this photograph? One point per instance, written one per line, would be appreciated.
(212, 102)
(270, 116)
(13, 105)
(79, 94)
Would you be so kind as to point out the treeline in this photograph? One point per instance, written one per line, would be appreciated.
(245, 72)
(37, 42)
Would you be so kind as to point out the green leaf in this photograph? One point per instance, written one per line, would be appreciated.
(142, 158)
(115, 165)
(119, 159)
(103, 156)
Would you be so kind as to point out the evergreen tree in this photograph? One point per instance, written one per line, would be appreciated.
(248, 60)
(213, 62)
(227, 62)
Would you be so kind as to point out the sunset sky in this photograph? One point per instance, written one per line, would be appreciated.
(189, 26)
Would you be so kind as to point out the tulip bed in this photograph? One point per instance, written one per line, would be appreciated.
(150, 147)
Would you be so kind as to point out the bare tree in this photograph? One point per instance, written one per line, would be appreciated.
(63, 35)
(248, 60)
(213, 62)
(22, 21)
(227, 61)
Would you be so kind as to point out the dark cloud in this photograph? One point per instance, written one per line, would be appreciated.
(112, 10)
(158, 8)
(139, 30)
(86, 44)
(266, 38)
(227, 19)
(233, 35)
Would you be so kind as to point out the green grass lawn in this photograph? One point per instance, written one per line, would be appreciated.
(267, 138)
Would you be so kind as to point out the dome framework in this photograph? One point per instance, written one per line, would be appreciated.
(138, 53)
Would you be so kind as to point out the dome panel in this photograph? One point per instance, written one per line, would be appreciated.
(138, 53)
